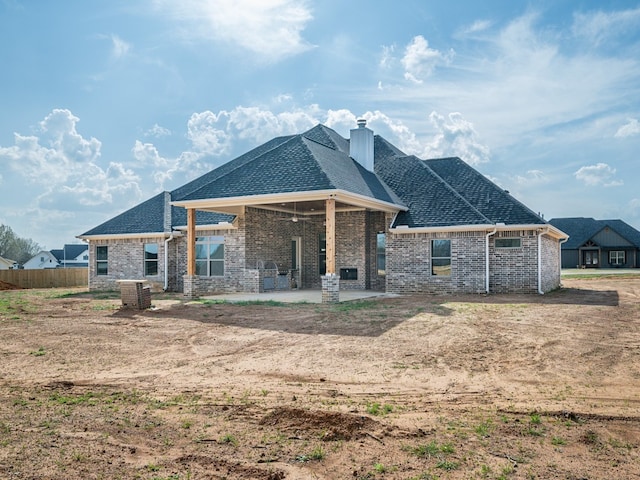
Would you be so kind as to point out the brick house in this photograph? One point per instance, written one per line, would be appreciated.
(316, 210)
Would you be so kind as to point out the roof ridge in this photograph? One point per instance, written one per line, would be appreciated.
(239, 165)
(450, 188)
(303, 138)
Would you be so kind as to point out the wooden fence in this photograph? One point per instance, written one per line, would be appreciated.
(47, 277)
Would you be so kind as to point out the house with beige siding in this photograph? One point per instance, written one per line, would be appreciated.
(318, 211)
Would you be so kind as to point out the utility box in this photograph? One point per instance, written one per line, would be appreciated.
(135, 294)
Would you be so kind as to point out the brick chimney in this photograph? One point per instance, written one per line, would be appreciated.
(361, 145)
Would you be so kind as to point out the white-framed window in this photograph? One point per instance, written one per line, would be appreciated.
(210, 256)
(150, 259)
(508, 242)
(441, 258)
(381, 255)
(617, 257)
(102, 260)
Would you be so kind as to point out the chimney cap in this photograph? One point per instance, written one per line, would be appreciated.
(361, 122)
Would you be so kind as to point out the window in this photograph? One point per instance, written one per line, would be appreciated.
(617, 257)
(441, 258)
(508, 242)
(322, 253)
(210, 256)
(381, 258)
(85, 257)
(150, 259)
(102, 260)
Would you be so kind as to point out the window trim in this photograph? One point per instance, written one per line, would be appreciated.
(102, 261)
(447, 259)
(617, 252)
(148, 262)
(322, 253)
(209, 261)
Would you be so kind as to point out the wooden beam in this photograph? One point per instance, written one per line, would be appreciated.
(191, 241)
(331, 235)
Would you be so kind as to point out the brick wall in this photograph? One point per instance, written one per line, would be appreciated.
(514, 269)
(125, 262)
(550, 263)
(409, 263)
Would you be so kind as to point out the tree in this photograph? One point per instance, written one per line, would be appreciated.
(16, 248)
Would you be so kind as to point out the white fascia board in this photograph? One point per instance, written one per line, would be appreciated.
(219, 204)
(115, 236)
(540, 227)
(212, 226)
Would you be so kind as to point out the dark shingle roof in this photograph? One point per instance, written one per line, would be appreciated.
(582, 229)
(441, 192)
(148, 217)
(69, 251)
(315, 160)
(446, 192)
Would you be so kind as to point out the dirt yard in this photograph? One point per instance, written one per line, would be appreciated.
(463, 387)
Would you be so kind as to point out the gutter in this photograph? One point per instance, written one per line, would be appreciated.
(486, 274)
(166, 262)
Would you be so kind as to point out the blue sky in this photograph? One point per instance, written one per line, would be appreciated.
(106, 103)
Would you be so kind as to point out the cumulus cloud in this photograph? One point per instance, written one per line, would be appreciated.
(456, 136)
(271, 29)
(66, 165)
(532, 177)
(599, 174)
(631, 128)
(419, 60)
(157, 131)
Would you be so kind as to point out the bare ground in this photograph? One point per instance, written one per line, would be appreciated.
(458, 387)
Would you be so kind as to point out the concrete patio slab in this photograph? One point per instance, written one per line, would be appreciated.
(297, 296)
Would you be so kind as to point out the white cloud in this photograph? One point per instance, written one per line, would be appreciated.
(419, 60)
(65, 165)
(599, 174)
(531, 177)
(631, 128)
(456, 137)
(598, 27)
(271, 29)
(157, 131)
(120, 48)
(476, 27)
(205, 137)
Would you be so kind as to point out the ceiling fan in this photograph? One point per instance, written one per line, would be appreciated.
(295, 218)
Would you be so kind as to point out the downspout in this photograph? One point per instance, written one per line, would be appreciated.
(560, 255)
(166, 262)
(486, 273)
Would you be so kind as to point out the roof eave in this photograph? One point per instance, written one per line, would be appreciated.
(113, 236)
(231, 204)
(487, 227)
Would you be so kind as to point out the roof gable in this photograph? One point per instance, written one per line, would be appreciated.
(583, 229)
(315, 160)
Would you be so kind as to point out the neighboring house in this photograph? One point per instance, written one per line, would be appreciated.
(316, 210)
(6, 264)
(599, 243)
(70, 256)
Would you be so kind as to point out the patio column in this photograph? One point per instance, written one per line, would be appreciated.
(330, 281)
(331, 235)
(191, 241)
(190, 280)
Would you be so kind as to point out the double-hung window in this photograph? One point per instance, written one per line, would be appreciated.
(210, 256)
(102, 260)
(150, 259)
(381, 258)
(441, 258)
